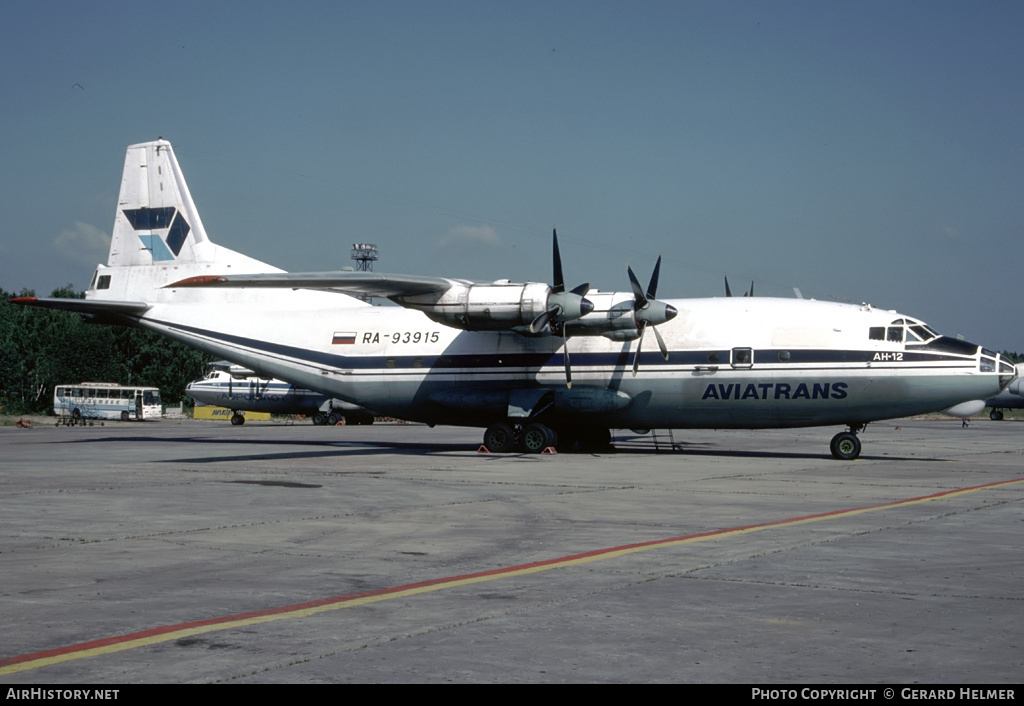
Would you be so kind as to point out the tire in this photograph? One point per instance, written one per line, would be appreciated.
(237, 420)
(499, 438)
(124, 416)
(535, 438)
(319, 419)
(333, 418)
(996, 415)
(845, 446)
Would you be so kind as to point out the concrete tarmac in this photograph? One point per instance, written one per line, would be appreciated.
(186, 551)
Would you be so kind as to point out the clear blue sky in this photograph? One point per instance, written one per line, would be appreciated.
(861, 151)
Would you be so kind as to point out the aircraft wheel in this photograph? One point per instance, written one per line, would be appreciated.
(333, 418)
(319, 419)
(124, 416)
(845, 446)
(995, 415)
(499, 438)
(237, 420)
(536, 437)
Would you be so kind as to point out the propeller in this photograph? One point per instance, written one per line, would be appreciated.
(728, 292)
(562, 305)
(648, 311)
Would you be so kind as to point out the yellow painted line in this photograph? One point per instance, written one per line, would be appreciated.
(35, 660)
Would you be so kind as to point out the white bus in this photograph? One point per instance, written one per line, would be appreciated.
(106, 400)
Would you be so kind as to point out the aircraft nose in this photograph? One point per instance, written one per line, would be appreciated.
(1007, 370)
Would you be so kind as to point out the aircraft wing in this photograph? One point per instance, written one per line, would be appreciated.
(95, 307)
(374, 284)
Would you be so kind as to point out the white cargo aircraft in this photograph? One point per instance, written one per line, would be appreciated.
(497, 355)
(241, 390)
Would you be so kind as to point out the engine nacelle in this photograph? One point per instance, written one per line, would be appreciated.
(498, 306)
(613, 316)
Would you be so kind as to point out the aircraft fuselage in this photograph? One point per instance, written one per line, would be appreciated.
(733, 363)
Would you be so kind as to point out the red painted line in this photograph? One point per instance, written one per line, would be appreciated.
(565, 560)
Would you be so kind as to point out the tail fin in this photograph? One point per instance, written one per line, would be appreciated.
(157, 222)
(156, 219)
(158, 236)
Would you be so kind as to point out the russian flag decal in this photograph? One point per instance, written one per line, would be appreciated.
(342, 338)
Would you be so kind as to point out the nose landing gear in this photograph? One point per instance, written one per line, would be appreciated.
(845, 445)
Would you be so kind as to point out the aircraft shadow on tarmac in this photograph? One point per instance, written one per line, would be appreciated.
(632, 445)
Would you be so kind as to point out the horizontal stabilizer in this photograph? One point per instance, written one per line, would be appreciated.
(84, 306)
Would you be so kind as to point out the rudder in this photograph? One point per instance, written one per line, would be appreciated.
(156, 220)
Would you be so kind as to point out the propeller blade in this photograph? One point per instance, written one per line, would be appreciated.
(565, 357)
(582, 289)
(558, 285)
(652, 288)
(728, 292)
(638, 292)
(543, 321)
(639, 343)
(661, 343)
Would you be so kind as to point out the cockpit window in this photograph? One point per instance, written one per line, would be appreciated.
(923, 332)
(900, 330)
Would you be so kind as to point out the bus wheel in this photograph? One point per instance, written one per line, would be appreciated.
(124, 416)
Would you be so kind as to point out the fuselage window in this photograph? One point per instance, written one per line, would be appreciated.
(895, 334)
(876, 333)
(742, 357)
(103, 282)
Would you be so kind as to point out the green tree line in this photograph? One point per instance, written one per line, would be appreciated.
(40, 349)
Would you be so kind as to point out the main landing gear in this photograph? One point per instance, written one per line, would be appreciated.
(845, 445)
(533, 438)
